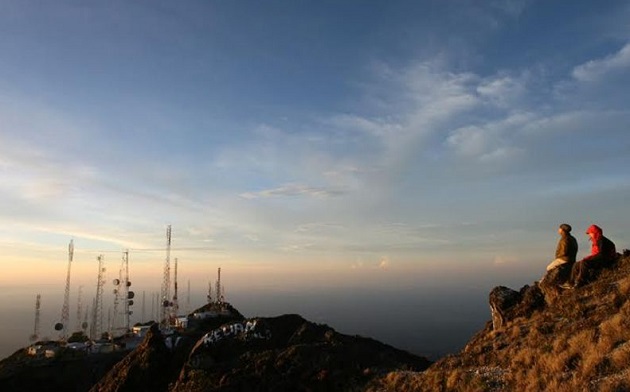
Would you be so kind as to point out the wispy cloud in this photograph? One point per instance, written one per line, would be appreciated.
(292, 190)
(597, 69)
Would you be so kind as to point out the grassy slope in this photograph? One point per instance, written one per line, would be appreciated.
(580, 342)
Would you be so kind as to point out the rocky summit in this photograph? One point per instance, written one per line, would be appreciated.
(540, 338)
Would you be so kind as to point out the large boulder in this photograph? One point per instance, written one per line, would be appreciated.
(507, 304)
(501, 300)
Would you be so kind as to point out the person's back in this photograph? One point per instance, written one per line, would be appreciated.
(571, 248)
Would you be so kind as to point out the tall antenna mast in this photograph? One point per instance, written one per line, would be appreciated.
(113, 322)
(127, 295)
(175, 304)
(209, 292)
(85, 324)
(218, 288)
(97, 316)
(143, 319)
(79, 309)
(188, 298)
(38, 304)
(166, 282)
(65, 310)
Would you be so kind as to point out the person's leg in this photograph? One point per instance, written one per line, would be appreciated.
(573, 276)
(564, 272)
(555, 263)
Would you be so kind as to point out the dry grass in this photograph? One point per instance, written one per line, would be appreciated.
(580, 342)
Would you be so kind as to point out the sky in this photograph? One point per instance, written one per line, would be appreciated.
(334, 158)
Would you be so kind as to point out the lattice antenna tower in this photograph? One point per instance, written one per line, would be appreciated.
(218, 288)
(209, 296)
(114, 323)
(166, 283)
(85, 324)
(143, 307)
(97, 315)
(175, 303)
(188, 298)
(65, 310)
(126, 293)
(79, 309)
(38, 304)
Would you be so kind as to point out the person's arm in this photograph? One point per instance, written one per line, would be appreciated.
(596, 250)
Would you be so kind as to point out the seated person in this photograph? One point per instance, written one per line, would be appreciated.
(566, 251)
(603, 254)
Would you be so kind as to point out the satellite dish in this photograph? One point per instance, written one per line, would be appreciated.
(131, 294)
(130, 302)
(165, 303)
(128, 283)
(115, 291)
(58, 327)
(116, 282)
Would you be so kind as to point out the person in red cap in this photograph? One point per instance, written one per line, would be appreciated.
(603, 254)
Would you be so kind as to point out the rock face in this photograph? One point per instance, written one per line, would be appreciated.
(147, 368)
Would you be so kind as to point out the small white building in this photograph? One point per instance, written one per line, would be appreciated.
(181, 322)
(140, 330)
(205, 315)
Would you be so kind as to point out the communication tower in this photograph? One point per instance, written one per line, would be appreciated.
(97, 315)
(166, 283)
(126, 293)
(65, 310)
(85, 324)
(175, 303)
(142, 318)
(209, 296)
(219, 288)
(79, 309)
(38, 304)
(188, 298)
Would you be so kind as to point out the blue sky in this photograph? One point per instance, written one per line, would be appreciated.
(312, 142)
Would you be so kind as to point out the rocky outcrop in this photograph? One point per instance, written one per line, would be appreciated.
(146, 368)
(506, 304)
(579, 341)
